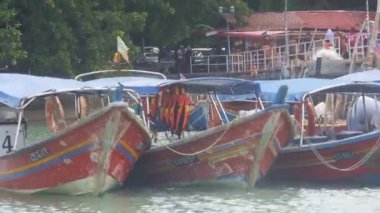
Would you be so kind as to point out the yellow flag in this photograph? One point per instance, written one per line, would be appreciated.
(122, 49)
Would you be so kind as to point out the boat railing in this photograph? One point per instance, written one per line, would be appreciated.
(361, 47)
(138, 73)
(269, 58)
(273, 57)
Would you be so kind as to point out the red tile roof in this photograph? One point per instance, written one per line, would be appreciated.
(307, 20)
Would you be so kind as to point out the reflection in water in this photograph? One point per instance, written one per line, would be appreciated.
(42, 203)
(265, 198)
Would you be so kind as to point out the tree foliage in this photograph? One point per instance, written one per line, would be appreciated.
(65, 38)
(10, 36)
(68, 37)
(171, 22)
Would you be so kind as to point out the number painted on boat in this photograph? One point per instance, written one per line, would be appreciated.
(7, 144)
(8, 141)
(344, 155)
(39, 154)
(185, 160)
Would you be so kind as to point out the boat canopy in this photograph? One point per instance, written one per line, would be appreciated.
(370, 75)
(142, 85)
(17, 88)
(297, 87)
(151, 86)
(349, 88)
(219, 85)
(115, 73)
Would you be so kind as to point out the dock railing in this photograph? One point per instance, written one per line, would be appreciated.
(273, 58)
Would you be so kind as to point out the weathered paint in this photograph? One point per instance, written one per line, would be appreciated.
(231, 157)
(103, 146)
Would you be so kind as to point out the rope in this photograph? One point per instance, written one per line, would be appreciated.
(204, 150)
(348, 169)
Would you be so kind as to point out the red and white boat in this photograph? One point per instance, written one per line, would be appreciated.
(237, 151)
(223, 150)
(77, 155)
(337, 144)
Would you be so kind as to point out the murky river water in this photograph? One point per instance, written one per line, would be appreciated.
(266, 197)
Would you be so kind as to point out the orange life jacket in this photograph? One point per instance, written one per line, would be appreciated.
(83, 106)
(173, 109)
(183, 112)
(153, 108)
(311, 116)
(213, 117)
(165, 98)
(55, 116)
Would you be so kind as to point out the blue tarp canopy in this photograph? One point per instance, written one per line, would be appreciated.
(151, 86)
(16, 87)
(353, 87)
(142, 85)
(371, 75)
(297, 87)
(220, 85)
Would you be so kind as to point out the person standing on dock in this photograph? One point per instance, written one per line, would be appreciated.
(329, 37)
(187, 58)
(351, 39)
(364, 38)
(342, 42)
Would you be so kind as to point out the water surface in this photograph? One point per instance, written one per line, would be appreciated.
(266, 197)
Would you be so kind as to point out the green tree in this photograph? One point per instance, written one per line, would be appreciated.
(65, 38)
(10, 36)
(172, 22)
(96, 26)
(46, 36)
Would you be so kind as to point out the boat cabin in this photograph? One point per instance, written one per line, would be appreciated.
(46, 107)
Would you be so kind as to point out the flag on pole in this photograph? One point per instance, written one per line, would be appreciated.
(181, 76)
(211, 33)
(122, 49)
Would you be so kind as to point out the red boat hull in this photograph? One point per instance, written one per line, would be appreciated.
(224, 153)
(351, 159)
(93, 155)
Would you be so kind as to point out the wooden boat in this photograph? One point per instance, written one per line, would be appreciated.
(238, 151)
(230, 157)
(143, 82)
(90, 150)
(333, 154)
(147, 85)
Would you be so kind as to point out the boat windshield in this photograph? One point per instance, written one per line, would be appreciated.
(7, 114)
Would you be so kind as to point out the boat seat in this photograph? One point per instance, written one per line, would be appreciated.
(311, 139)
(347, 134)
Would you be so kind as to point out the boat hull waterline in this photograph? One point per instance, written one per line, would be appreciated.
(352, 159)
(237, 145)
(92, 156)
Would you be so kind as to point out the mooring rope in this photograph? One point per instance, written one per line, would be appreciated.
(204, 150)
(351, 168)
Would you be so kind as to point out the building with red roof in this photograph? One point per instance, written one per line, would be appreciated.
(321, 20)
(301, 24)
